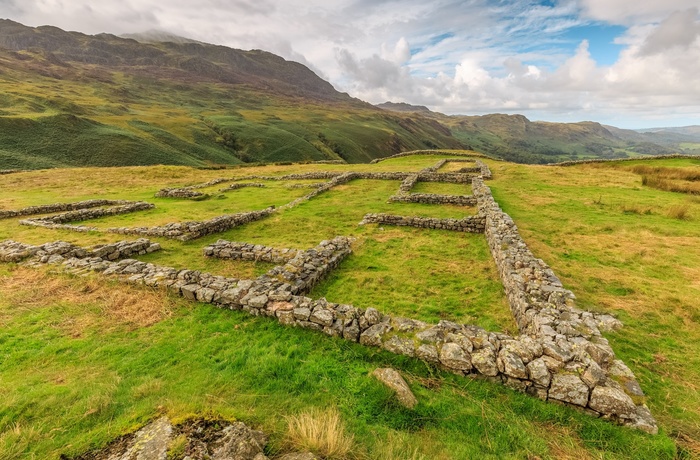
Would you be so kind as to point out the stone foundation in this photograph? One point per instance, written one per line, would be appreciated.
(549, 368)
(473, 224)
(560, 356)
(60, 220)
(433, 198)
(61, 207)
(238, 185)
(186, 231)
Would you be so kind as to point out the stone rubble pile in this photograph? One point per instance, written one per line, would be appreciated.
(186, 231)
(59, 220)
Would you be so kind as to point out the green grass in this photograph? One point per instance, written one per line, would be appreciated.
(442, 188)
(65, 393)
(76, 371)
(642, 266)
(120, 119)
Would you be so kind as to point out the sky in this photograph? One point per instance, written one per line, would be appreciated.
(628, 63)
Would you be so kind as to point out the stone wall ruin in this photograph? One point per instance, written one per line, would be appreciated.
(560, 355)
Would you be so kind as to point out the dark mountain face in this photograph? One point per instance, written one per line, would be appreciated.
(202, 61)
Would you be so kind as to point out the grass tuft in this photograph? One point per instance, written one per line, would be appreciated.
(679, 211)
(321, 432)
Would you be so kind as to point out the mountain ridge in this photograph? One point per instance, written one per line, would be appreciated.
(72, 99)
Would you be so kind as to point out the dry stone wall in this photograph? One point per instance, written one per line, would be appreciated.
(59, 251)
(236, 186)
(609, 160)
(186, 231)
(429, 152)
(473, 224)
(404, 194)
(223, 249)
(60, 207)
(434, 198)
(178, 193)
(548, 368)
(60, 220)
(560, 355)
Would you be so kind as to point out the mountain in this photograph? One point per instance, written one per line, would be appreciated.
(159, 36)
(70, 99)
(403, 107)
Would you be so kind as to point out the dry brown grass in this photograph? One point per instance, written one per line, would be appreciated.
(679, 211)
(685, 174)
(103, 303)
(321, 432)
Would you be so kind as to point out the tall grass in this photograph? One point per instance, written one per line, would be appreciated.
(321, 432)
(679, 180)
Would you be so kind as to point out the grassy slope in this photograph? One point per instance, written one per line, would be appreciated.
(80, 368)
(83, 115)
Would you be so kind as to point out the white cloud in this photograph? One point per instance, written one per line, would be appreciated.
(629, 12)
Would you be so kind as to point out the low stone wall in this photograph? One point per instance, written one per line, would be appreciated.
(11, 171)
(330, 162)
(407, 184)
(60, 207)
(335, 181)
(485, 170)
(433, 198)
(185, 192)
(56, 252)
(473, 224)
(223, 249)
(435, 167)
(548, 368)
(317, 185)
(186, 231)
(58, 220)
(612, 160)
(454, 178)
(307, 268)
(238, 185)
(429, 152)
(303, 176)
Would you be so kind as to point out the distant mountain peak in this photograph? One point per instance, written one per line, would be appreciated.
(403, 107)
(159, 36)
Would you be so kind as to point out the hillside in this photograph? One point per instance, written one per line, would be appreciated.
(71, 99)
(516, 138)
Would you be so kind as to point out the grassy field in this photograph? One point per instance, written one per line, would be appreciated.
(85, 360)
